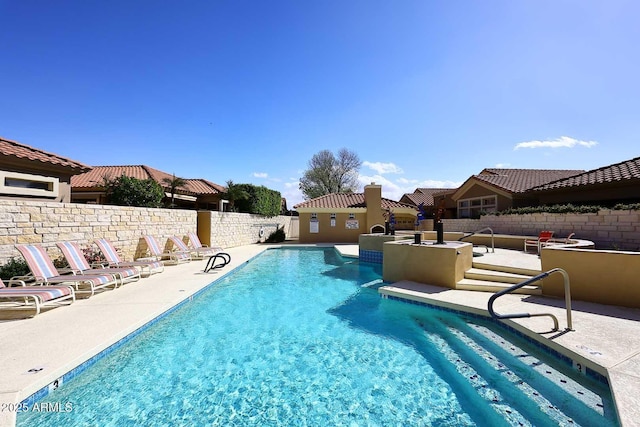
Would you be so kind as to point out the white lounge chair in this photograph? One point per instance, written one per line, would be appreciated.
(113, 259)
(18, 296)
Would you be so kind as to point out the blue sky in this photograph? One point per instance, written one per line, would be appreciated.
(427, 93)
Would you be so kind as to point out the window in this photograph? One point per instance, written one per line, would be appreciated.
(314, 224)
(471, 208)
(23, 184)
(352, 216)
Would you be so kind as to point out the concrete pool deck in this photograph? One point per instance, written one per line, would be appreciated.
(60, 339)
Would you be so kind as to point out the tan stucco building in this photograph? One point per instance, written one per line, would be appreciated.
(33, 174)
(342, 218)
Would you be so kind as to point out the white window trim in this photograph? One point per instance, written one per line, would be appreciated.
(491, 207)
(52, 183)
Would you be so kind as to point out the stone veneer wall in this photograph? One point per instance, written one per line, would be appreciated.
(608, 229)
(230, 229)
(46, 223)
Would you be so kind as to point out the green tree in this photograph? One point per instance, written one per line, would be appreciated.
(328, 174)
(126, 191)
(173, 184)
(236, 194)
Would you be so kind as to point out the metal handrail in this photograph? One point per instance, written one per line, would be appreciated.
(567, 299)
(493, 246)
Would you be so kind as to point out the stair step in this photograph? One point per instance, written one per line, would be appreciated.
(495, 276)
(581, 393)
(505, 268)
(492, 286)
(485, 391)
(518, 379)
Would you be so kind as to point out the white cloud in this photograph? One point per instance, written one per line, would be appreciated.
(292, 193)
(260, 174)
(502, 165)
(383, 167)
(406, 181)
(563, 141)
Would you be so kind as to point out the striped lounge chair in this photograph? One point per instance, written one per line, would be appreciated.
(217, 258)
(197, 246)
(19, 297)
(79, 265)
(201, 250)
(223, 257)
(147, 268)
(43, 272)
(174, 257)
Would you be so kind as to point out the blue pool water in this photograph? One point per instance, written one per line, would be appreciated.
(294, 338)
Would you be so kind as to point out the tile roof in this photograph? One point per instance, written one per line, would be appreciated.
(623, 171)
(343, 201)
(15, 149)
(95, 177)
(521, 180)
(425, 195)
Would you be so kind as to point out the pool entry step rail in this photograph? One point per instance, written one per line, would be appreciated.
(567, 299)
(493, 246)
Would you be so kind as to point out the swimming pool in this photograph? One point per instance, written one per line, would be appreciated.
(301, 337)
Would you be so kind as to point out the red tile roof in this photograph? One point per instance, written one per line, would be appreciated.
(425, 195)
(623, 171)
(345, 201)
(95, 177)
(521, 180)
(10, 148)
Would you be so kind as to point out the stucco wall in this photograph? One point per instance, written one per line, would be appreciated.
(46, 223)
(604, 277)
(334, 234)
(608, 229)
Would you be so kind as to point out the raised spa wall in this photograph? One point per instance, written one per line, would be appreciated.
(599, 276)
(428, 262)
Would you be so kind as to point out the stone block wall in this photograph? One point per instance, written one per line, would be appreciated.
(230, 229)
(608, 229)
(46, 223)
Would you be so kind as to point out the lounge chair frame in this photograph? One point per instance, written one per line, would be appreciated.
(538, 243)
(36, 297)
(79, 265)
(43, 272)
(147, 268)
(174, 257)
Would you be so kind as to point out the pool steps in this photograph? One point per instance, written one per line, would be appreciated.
(501, 372)
(493, 278)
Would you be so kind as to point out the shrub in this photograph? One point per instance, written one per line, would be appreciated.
(277, 236)
(257, 200)
(93, 255)
(60, 262)
(14, 267)
(126, 191)
(568, 208)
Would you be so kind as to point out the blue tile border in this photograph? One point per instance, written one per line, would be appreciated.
(370, 256)
(594, 375)
(68, 376)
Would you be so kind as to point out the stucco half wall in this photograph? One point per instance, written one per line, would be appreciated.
(603, 277)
